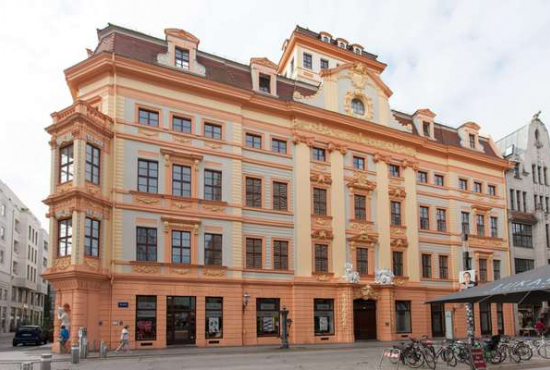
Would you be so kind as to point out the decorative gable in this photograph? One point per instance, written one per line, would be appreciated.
(469, 136)
(182, 51)
(264, 75)
(423, 120)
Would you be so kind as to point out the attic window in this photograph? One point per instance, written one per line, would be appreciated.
(182, 58)
(342, 45)
(358, 107)
(265, 82)
(326, 39)
(357, 51)
(426, 128)
(472, 141)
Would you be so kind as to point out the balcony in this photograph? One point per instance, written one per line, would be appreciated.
(81, 111)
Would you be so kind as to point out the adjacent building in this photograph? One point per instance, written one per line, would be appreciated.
(23, 257)
(528, 184)
(193, 198)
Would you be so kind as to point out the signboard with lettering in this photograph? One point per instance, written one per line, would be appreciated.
(122, 304)
(478, 359)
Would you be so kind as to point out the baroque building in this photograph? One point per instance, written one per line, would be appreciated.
(194, 198)
(528, 187)
(23, 257)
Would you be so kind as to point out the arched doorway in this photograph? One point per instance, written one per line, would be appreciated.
(364, 319)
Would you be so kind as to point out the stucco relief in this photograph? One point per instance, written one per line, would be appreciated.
(213, 272)
(365, 99)
(360, 181)
(147, 200)
(146, 269)
(320, 179)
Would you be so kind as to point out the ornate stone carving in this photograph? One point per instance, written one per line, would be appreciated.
(350, 275)
(377, 157)
(146, 269)
(180, 271)
(213, 272)
(396, 193)
(214, 145)
(181, 205)
(147, 200)
(364, 238)
(408, 163)
(323, 277)
(344, 309)
(301, 139)
(320, 178)
(213, 208)
(62, 263)
(399, 243)
(322, 221)
(364, 98)
(383, 277)
(92, 264)
(322, 234)
(363, 227)
(366, 293)
(341, 148)
(148, 133)
(361, 181)
(181, 140)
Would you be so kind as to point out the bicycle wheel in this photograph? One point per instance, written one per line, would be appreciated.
(525, 352)
(413, 359)
(429, 359)
(449, 357)
(514, 355)
(544, 350)
(496, 356)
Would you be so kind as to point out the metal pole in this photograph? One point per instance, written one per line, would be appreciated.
(284, 336)
(470, 323)
(75, 355)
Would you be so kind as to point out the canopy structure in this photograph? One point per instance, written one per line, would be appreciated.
(528, 287)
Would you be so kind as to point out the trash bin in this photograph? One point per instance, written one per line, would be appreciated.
(75, 355)
(46, 361)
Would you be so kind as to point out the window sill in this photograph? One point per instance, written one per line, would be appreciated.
(269, 271)
(258, 209)
(268, 152)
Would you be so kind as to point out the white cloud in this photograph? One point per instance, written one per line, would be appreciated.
(485, 61)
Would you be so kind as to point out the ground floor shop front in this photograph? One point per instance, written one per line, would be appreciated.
(214, 312)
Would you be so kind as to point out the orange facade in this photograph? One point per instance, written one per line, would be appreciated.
(194, 198)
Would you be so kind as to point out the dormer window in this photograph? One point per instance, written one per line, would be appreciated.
(472, 138)
(357, 51)
(265, 83)
(358, 107)
(426, 128)
(182, 58)
(326, 39)
(342, 45)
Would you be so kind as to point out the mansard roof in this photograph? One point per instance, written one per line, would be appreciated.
(139, 46)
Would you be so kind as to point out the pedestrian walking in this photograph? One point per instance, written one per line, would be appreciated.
(64, 338)
(124, 339)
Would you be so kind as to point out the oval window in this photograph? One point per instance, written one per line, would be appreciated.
(358, 107)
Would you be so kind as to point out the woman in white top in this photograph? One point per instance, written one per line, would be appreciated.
(124, 339)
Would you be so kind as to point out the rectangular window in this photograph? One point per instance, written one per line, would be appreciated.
(148, 117)
(546, 227)
(214, 317)
(396, 213)
(146, 244)
(485, 317)
(534, 173)
(91, 237)
(463, 184)
(439, 180)
(500, 318)
(321, 258)
(92, 164)
(213, 131)
(512, 200)
(480, 221)
(524, 201)
(253, 141)
(319, 202)
(182, 58)
(292, 65)
(539, 174)
(422, 177)
(267, 317)
(494, 227)
(482, 262)
(441, 220)
(522, 235)
(253, 192)
(359, 163)
(360, 207)
(265, 83)
(362, 260)
(280, 255)
(323, 316)
(66, 164)
(319, 154)
(472, 138)
(213, 249)
(181, 181)
(492, 190)
(426, 266)
(181, 124)
(253, 253)
(426, 128)
(65, 237)
(477, 187)
(545, 176)
(394, 170)
(403, 316)
(465, 223)
(397, 259)
(181, 246)
(280, 196)
(278, 146)
(146, 318)
(443, 267)
(496, 269)
(523, 265)
(324, 64)
(517, 171)
(148, 175)
(424, 218)
(212, 185)
(308, 63)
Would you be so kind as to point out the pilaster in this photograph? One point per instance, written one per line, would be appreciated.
(302, 214)
(383, 215)
(411, 221)
(338, 210)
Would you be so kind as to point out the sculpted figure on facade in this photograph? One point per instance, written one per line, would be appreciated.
(349, 275)
(63, 315)
(384, 277)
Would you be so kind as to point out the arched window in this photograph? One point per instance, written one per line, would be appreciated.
(358, 107)
(537, 134)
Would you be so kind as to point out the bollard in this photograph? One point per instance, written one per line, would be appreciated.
(75, 355)
(46, 361)
(102, 350)
(26, 366)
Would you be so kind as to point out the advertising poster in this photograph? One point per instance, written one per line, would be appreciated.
(467, 279)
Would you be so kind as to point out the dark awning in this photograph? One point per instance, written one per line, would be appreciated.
(528, 287)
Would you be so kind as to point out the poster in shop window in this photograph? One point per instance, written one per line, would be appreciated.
(268, 324)
(213, 325)
(323, 324)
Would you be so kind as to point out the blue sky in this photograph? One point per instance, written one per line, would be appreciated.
(483, 61)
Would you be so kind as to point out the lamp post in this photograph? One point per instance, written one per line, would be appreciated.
(286, 323)
(246, 299)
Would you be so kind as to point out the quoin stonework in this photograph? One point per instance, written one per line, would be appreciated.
(194, 197)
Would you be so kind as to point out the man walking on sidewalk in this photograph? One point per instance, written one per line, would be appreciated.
(124, 339)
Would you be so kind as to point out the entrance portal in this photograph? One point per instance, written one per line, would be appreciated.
(364, 319)
(180, 320)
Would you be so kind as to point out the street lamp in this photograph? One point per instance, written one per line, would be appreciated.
(246, 299)
(286, 323)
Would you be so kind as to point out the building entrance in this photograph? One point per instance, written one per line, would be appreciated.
(364, 319)
(180, 320)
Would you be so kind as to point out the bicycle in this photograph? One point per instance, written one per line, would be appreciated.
(510, 350)
(542, 346)
(445, 352)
